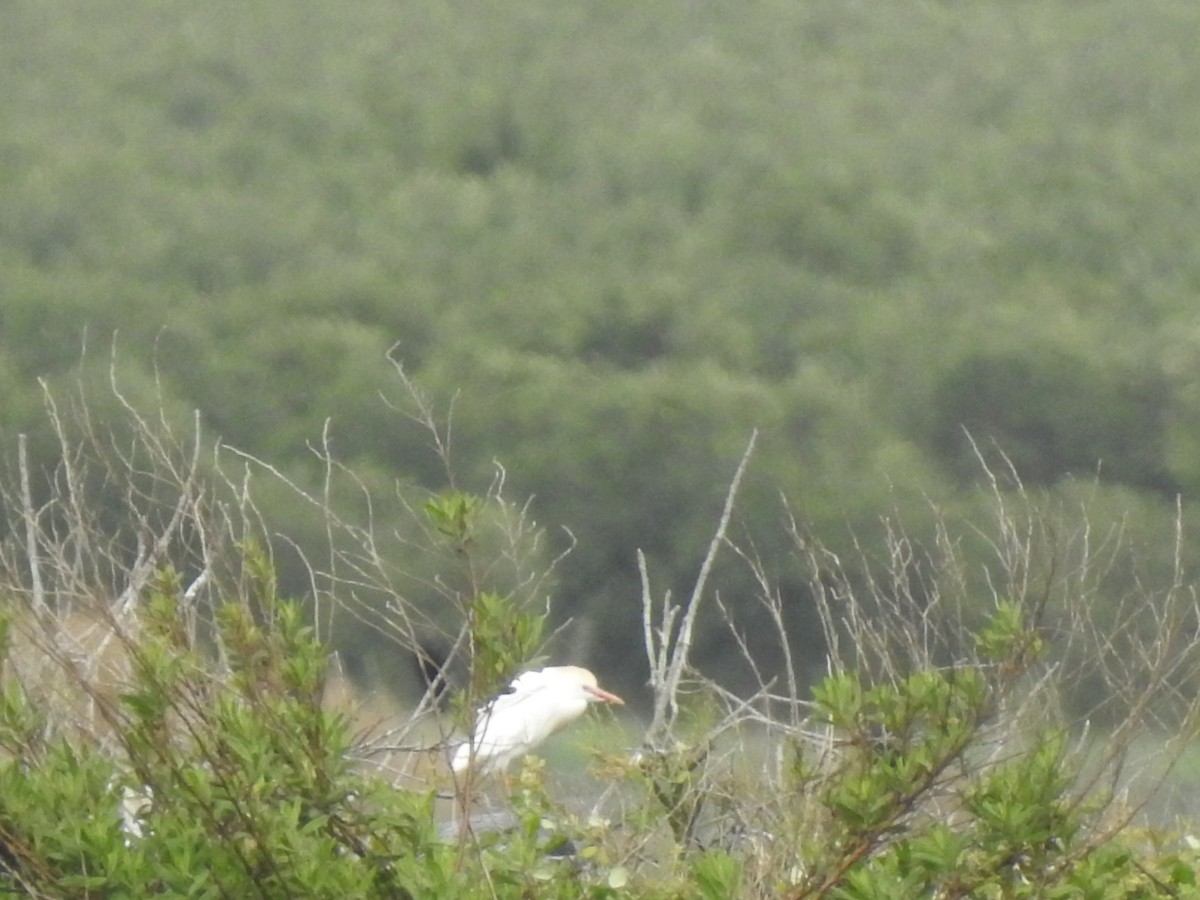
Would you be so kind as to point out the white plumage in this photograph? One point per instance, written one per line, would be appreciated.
(535, 706)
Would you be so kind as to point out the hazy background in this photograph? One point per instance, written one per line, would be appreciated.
(625, 234)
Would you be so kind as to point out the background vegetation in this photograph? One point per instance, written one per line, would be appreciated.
(171, 725)
(622, 236)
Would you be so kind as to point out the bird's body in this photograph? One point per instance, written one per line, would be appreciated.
(535, 706)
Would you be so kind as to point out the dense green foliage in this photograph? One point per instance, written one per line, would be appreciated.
(170, 725)
(225, 774)
(224, 780)
(626, 234)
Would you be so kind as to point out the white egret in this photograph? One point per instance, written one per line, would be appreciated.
(535, 706)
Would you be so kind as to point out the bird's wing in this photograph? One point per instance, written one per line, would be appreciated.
(511, 706)
(511, 722)
(524, 685)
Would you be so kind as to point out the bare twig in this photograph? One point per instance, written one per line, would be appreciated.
(670, 657)
(37, 589)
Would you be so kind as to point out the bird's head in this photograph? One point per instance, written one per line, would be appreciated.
(592, 691)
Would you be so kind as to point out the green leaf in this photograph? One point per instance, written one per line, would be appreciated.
(454, 515)
(716, 875)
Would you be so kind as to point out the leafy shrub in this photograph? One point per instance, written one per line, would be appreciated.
(167, 724)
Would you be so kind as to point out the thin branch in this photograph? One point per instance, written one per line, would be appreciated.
(38, 594)
(666, 703)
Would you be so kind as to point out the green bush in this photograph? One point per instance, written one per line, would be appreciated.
(168, 722)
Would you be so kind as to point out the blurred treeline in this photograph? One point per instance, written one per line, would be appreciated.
(625, 234)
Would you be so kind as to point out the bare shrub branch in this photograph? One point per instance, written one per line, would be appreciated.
(666, 649)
